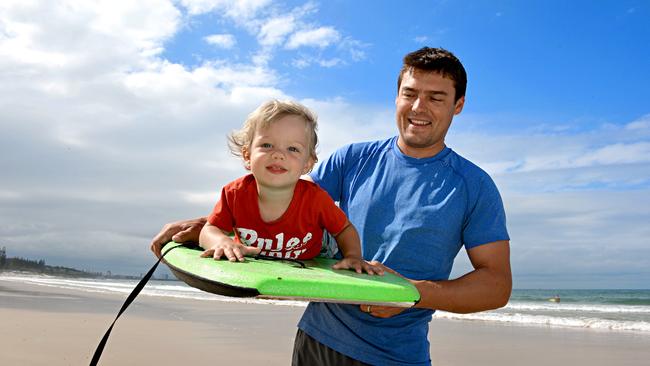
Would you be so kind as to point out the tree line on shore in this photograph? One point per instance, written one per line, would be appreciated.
(39, 266)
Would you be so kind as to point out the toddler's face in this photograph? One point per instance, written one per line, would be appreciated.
(280, 153)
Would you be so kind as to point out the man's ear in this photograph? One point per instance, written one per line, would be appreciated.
(460, 103)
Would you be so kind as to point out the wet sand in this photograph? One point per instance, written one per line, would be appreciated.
(45, 325)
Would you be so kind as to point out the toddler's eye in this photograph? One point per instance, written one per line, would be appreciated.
(265, 145)
(293, 149)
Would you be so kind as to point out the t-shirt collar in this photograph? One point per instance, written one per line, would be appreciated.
(411, 160)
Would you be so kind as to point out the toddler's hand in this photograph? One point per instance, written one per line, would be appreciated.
(358, 265)
(232, 251)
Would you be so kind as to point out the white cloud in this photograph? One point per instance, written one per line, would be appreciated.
(360, 123)
(559, 149)
(618, 153)
(95, 122)
(330, 62)
(207, 198)
(320, 37)
(238, 11)
(226, 41)
(65, 34)
(195, 7)
(274, 26)
(6, 195)
(300, 63)
(641, 125)
(275, 30)
(245, 9)
(306, 61)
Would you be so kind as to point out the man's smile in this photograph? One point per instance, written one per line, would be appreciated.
(419, 122)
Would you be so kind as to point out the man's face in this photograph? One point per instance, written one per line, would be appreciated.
(425, 107)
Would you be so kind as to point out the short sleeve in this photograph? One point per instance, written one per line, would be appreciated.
(330, 172)
(332, 218)
(221, 215)
(486, 221)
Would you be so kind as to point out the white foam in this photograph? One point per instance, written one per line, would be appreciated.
(554, 307)
(558, 321)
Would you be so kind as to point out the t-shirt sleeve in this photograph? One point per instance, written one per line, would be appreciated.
(486, 222)
(221, 215)
(332, 218)
(330, 172)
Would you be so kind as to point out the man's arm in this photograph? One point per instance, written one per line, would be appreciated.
(179, 231)
(487, 287)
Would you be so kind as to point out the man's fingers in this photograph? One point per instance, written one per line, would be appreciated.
(375, 269)
(385, 311)
(157, 244)
(380, 266)
(180, 236)
(368, 268)
(155, 249)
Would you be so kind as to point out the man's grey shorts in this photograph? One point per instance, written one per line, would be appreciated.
(309, 352)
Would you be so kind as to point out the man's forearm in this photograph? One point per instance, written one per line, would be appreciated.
(487, 287)
(478, 290)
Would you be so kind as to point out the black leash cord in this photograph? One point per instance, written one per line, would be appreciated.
(269, 258)
(129, 300)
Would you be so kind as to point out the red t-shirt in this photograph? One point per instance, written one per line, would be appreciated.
(297, 233)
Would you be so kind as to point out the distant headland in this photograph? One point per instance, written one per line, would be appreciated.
(39, 266)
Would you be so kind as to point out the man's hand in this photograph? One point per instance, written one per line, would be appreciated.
(358, 265)
(179, 231)
(382, 311)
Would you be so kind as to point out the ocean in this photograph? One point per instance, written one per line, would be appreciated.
(600, 310)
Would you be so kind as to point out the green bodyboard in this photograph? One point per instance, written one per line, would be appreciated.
(311, 280)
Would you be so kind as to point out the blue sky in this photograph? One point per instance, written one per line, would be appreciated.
(114, 116)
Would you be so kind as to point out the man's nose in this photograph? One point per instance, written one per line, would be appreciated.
(416, 105)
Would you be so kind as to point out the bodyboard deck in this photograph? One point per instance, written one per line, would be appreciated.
(310, 280)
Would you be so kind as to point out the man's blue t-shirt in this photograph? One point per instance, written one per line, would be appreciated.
(413, 215)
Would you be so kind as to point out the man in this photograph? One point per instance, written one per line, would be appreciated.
(416, 203)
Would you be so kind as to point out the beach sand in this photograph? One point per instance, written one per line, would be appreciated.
(52, 326)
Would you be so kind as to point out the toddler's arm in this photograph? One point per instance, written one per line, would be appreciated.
(350, 245)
